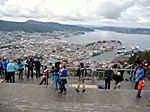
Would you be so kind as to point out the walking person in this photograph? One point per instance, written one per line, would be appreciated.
(81, 73)
(118, 76)
(62, 79)
(108, 77)
(141, 84)
(45, 76)
(11, 69)
(30, 67)
(20, 68)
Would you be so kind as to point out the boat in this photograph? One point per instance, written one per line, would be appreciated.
(122, 49)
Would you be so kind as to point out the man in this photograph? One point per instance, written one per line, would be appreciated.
(62, 79)
(108, 77)
(37, 68)
(30, 67)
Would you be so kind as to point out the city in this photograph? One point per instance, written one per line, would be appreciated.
(49, 46)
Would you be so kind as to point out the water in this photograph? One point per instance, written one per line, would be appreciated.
(143, 41)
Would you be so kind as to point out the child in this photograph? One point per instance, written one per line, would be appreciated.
(45, 76)
(141, 84)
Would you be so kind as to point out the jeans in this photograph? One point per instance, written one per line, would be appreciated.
(30, 70)
(62, 87)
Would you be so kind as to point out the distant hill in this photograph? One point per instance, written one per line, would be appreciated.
(36, 26)
(125, 30)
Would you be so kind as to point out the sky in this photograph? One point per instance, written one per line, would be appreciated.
(130, 13)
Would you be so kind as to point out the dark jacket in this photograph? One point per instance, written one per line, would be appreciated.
(82, 72)
(37, 64)
(30, 63)
(108, 74)
(118, 78)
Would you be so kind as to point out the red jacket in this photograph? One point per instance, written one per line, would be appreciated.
(45, 73)
(141, 84)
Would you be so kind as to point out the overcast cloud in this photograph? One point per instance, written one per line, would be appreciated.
(96, 12)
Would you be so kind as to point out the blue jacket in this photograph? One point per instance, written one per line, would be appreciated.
(63, 72)
(21, 66)
(11, 67)
(141, 74)
(4, 64)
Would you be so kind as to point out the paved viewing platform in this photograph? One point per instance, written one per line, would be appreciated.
(28, 96)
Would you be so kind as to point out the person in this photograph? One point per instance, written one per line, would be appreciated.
(145, 66)
(1, 68)
(11, 69)
(118, 78)
(141, 84)
(45, 76)
(94, 69)
(30, 67)
(52, 74)
(132, 77)
(81, 73)
(139, 74)
(4, 66)
(108, 77)
(62, 79)
(56, 74)
(20, 68)
(37, 68)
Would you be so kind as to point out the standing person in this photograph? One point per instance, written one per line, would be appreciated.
(1, 67)
(45, 76)
(108, 77)
(56, 74)
(30, 67)
(62, 79)
(11, 69)
(145, 66)
(141, 84)
(81, 73)
(37, 68)
(139, 74)
(134, 72)
(20, 68)
(4, 66)
(94, 69)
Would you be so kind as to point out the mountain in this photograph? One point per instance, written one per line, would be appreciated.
(36, 26)
(125, 30)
